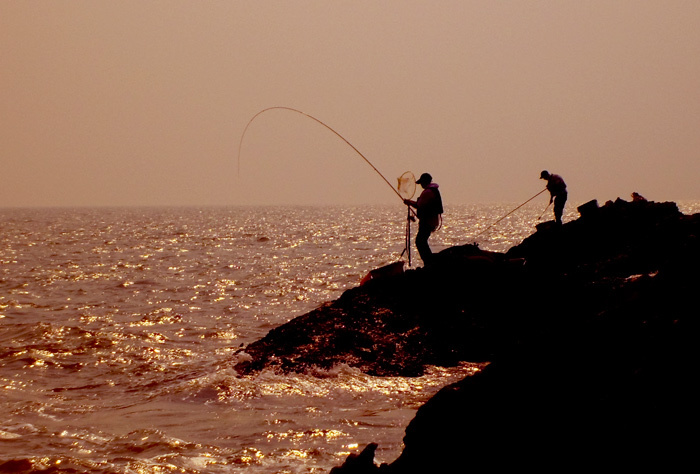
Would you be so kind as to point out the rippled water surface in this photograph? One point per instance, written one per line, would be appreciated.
(119, 329)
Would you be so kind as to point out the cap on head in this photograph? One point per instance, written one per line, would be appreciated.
(544, 174)
(425, 178)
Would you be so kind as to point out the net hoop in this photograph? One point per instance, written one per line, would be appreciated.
(406, 185)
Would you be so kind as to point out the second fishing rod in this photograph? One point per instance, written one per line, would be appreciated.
(512, 211)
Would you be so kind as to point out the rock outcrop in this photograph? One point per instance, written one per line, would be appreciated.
(590, 329)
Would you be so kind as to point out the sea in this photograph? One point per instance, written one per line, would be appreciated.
(120, 329)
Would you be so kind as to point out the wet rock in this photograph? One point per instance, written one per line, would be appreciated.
(16, 465)
(590, 329)
(362, 463)
(396, 325)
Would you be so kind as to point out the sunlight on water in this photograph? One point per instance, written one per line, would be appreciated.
(689, 207)
(120, 328)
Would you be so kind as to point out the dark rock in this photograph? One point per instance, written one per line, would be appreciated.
(588, 209)
(590, 329)
(16, 465)
(362, 463)
(392, 269)
(396, 325)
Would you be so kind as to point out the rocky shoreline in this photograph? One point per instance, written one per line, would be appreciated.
(589, 329)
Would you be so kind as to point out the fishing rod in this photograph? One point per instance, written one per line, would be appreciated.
(521, 205)
(240, 144)
(545, 210)
(407, 248)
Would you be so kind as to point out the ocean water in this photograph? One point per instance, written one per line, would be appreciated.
(119, 329)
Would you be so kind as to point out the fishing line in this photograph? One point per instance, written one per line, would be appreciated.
(499, 220)
(240, 144)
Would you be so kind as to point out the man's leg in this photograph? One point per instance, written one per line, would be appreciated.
(559, 202)
(422, 244)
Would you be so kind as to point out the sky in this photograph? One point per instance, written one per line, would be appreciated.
(144, 103)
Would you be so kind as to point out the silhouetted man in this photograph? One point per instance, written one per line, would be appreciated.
(428, 208)
(557, 190)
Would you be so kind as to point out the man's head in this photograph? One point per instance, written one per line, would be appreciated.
(424, 180)
(544, 174)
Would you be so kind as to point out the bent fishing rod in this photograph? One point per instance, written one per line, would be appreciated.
(240, 144)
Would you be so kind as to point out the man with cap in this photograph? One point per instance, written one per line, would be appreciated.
(428, 209)
(557, 190)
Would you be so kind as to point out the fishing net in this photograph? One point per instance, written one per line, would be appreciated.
(407, 185)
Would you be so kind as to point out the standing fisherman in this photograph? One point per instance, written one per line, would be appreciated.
(428, 208)
(557, 190)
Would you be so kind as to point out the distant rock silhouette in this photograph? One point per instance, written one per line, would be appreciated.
(590, 329)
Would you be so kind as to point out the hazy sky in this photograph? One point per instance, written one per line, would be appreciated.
(144, 102)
